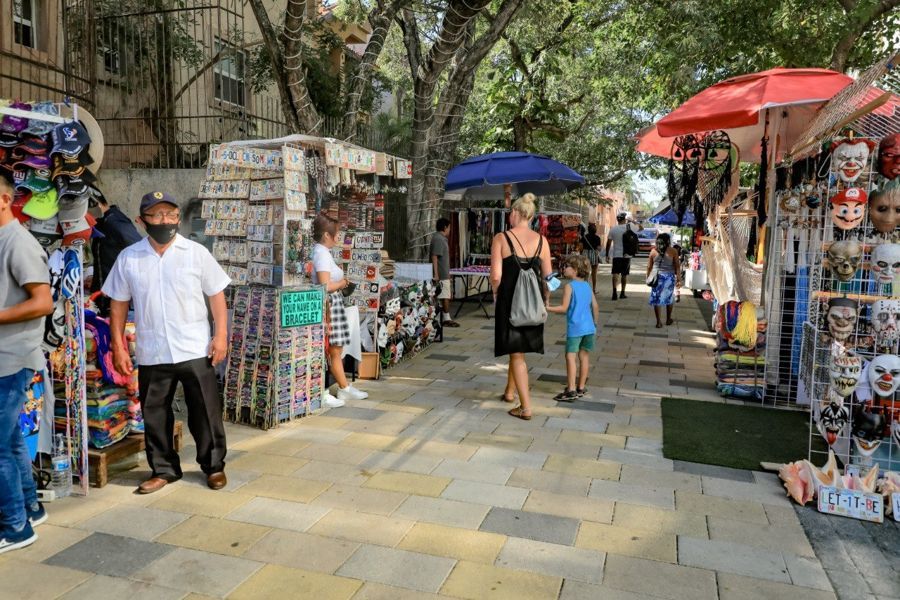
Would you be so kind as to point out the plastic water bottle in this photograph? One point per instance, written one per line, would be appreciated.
(61, 479)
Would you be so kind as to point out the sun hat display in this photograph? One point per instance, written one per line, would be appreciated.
(70, 139)
(42, 206)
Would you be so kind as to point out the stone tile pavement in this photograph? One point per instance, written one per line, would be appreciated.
(428, 489)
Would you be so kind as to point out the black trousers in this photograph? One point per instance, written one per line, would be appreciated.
(157, 385)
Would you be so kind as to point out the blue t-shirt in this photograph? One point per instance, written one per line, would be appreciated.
(580, 317)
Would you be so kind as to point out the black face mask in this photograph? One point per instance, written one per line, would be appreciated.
(163, 233)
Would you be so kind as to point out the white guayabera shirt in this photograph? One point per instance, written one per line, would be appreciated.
(171, 319)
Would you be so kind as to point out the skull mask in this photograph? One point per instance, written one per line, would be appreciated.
(884, 375)
(841, 317)
(847, 208)
(844, 258)
(884, 208)
(885, 263)
(850, 159)
(885, 314)
(866, 432)
(889, 156)
(832, 419)
(845, 369)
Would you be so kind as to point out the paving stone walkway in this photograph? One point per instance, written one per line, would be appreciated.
(428, 489)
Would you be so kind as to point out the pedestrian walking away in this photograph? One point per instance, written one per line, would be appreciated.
(25, 300)
(590, 248)
(621, 258)
(166, 277)
(513, 251)
(663, 276)
(440, 265)
(579, 304)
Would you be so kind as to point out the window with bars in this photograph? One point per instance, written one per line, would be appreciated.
(25, 22)
(228, 74)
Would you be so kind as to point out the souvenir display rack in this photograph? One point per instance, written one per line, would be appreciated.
(408, 321)
(854, 310)
(740, 353)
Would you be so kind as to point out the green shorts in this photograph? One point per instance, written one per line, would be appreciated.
(584, 342)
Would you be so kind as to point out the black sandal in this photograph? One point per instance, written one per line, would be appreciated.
(566, 396)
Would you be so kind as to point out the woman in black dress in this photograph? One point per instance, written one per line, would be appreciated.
(530, 249)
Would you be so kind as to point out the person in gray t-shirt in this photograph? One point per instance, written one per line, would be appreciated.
(25, 300)
(440, 264)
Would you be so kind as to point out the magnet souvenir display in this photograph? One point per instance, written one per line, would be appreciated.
(847, 208)
(884, 208)
(850, 157)
(889, 156)
(866, 430)
(884, 375)
(885, 317)
(841, 317)
(884, 264)
(844, 258)
(845, 370)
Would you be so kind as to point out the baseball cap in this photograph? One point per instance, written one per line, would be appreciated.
(42, 205)
(33, 144)
(37, 180)
(70, 185)
(20, 199)
(77, 232)
(39, 126)
(14, 124)
(47, 231)
(850, 195)
(73, 207)
(35, 161)
(622, 215)
(151, 199)
(70, 138)
(8, 139)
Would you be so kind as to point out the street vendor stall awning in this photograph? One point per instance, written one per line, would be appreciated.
(484, 177)
(664, 215)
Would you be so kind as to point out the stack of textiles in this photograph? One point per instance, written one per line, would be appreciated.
(740, 353)
(107, 411)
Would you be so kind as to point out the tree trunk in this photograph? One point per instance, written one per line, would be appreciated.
(857, 25)
(270, 39)
(292, 40)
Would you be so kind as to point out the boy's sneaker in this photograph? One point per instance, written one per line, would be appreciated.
(38, 516)
(13, 540)
(566, 396)
(581, 392)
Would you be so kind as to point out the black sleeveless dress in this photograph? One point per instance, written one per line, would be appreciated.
(509, 339)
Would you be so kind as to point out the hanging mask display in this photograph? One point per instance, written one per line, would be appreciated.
(684, 170)
(884, 208)
(849, 158)
(889, 156)
(382, 336)
(885, 315)
(841, 317)
(833, 417)
(885, 263)
(847, 208)
(846, 367)
(844, 258)
(866, 430)
(884, 375)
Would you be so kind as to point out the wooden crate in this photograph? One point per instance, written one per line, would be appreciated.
(100, 460)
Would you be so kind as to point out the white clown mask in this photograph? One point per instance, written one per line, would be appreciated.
(841, 317)
(885, 316)
(885, 263)
(845, 370)
(850, 159)
(884, 375)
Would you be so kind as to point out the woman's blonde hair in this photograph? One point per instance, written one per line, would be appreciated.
(524, 205)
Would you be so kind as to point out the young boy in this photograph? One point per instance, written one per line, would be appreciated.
(582, 314)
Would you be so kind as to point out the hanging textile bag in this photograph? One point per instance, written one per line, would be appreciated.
(527, 308)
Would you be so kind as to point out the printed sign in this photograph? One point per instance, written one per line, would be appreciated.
(267, 189)
(381, 164)
(301, 307)
(208, 209)
(225, 172)
(295, 200)
(851, 503)
(248, 158)
(402, 169)
(294, 158)
(336, 156)
(296, 181)
(225, 189)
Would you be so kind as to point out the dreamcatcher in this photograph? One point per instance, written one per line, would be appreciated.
(699, 173)
(684, 169)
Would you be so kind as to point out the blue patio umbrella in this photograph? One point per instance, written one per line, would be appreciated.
(666, 216)
(483, 177)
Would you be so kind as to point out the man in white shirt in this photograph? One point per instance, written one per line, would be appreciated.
(166, 277)
(621, 262)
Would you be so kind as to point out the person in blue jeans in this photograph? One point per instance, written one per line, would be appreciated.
(25, 300)
(579, 304)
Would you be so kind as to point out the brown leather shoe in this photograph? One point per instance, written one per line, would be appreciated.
(154, 484)
(216, 481)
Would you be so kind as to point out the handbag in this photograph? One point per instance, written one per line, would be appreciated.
(528, 309)
(653, 277)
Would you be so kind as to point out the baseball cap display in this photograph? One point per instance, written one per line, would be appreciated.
(8, 139)
(72, 208)
(38, 126)
(35, 161)
(71, 165)
(46, 231)
(151, 199)
(77, 232)
(20, 198)
(33, 144)
(13, 124)
(37, 180)
(42, 205)
(70, 138)
(70, 185)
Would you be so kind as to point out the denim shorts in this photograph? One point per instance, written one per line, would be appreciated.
(582, 342)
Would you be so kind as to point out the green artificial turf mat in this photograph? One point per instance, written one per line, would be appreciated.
(732, 435)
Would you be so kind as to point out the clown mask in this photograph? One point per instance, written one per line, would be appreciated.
(845, 369)
(889, 156)
(866, 431)
(885, 315)
(849, 159)
(844, 258)
(841, 318)
(884, 208)
(847, 208)
(832, 419)
(885, 263)
(884, 375)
